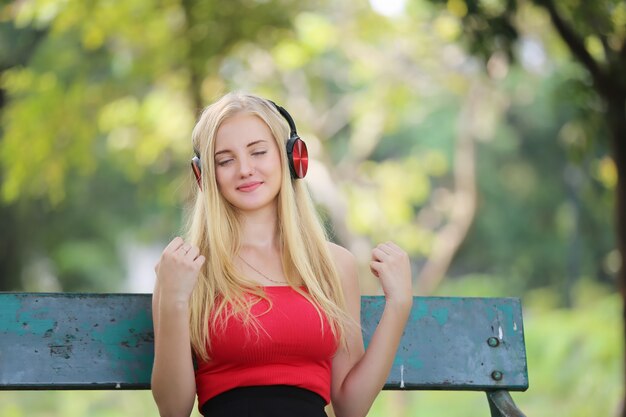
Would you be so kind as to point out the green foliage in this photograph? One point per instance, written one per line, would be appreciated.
(487, 25)
(103, 108)
(95, 128)
(494, 25)
(538, 217)
(97, 100)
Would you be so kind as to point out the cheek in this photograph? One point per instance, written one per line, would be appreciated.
(275, 163)
(220, 178)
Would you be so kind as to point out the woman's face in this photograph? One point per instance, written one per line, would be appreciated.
(247, 162)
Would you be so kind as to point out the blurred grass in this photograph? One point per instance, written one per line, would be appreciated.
(574, 362)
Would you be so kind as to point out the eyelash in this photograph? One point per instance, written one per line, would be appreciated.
(224, 163)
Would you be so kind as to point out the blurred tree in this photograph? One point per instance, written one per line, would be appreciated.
(542, 218)
(407, 135)
(99, 101)
(16, 49)
(386, 139)
(385, 111)
(371, 171)
(595, 35)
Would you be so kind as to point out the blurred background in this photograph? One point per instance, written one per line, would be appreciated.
(480, 135)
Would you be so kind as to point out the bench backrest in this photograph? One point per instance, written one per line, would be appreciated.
(105, 341)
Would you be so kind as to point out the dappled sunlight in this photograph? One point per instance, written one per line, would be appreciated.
(471, 134)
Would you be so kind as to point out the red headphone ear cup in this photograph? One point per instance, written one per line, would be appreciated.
(298, 156)
(197, 171)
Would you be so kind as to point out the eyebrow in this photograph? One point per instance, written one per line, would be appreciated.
(247, 146)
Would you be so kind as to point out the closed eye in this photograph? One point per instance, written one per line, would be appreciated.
(224, 162)
(257, 153)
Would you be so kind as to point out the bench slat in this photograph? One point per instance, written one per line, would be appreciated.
(105, 341)
(445, 345)
(75, 341)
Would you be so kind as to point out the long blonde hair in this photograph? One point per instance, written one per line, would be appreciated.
(214, 226)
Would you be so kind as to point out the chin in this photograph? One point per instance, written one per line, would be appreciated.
(250, 205)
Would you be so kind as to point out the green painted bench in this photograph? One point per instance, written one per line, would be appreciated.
(105, 341)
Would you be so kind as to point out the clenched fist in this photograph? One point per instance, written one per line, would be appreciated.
(177, 270)
(391, 265)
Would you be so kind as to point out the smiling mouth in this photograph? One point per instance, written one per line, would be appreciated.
(249, 187)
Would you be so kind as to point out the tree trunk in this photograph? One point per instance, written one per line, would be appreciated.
(195, 85)
(608, 80)
(448, 240)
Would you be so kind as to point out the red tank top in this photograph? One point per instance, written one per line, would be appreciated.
(289, 349)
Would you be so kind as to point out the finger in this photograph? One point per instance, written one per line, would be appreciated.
(379, 255)
(176, 243)
(185, 248)
(193, 252)
(391, 248)
(394, 251)
(199, 261)
(385, 248)
(376, 268)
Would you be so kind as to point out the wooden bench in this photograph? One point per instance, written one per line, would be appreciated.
(105, 341)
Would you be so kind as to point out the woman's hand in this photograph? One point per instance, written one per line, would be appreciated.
(177, 270)
(172, 382)
(391, 265)
(358, 376)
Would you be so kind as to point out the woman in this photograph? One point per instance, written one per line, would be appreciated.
(255, 311)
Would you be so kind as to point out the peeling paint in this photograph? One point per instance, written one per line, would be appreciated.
(18, 321)
(89, 340)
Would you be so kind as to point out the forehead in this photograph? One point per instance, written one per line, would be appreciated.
(240, 130)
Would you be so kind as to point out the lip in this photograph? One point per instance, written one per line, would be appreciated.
(249, 186)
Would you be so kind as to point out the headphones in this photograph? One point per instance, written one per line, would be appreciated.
(297, 154)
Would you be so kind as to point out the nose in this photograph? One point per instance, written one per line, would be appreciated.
(246, 167)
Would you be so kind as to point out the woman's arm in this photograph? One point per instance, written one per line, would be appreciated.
(358, 375)
(173, 381)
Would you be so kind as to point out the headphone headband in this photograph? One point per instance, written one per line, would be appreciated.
(292, 125)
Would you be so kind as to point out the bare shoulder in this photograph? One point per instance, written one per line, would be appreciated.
(342, 256)
(345, 262)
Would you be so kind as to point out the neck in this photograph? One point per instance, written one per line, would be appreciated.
(260, 229)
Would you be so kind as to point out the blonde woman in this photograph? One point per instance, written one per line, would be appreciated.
(255, 312)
